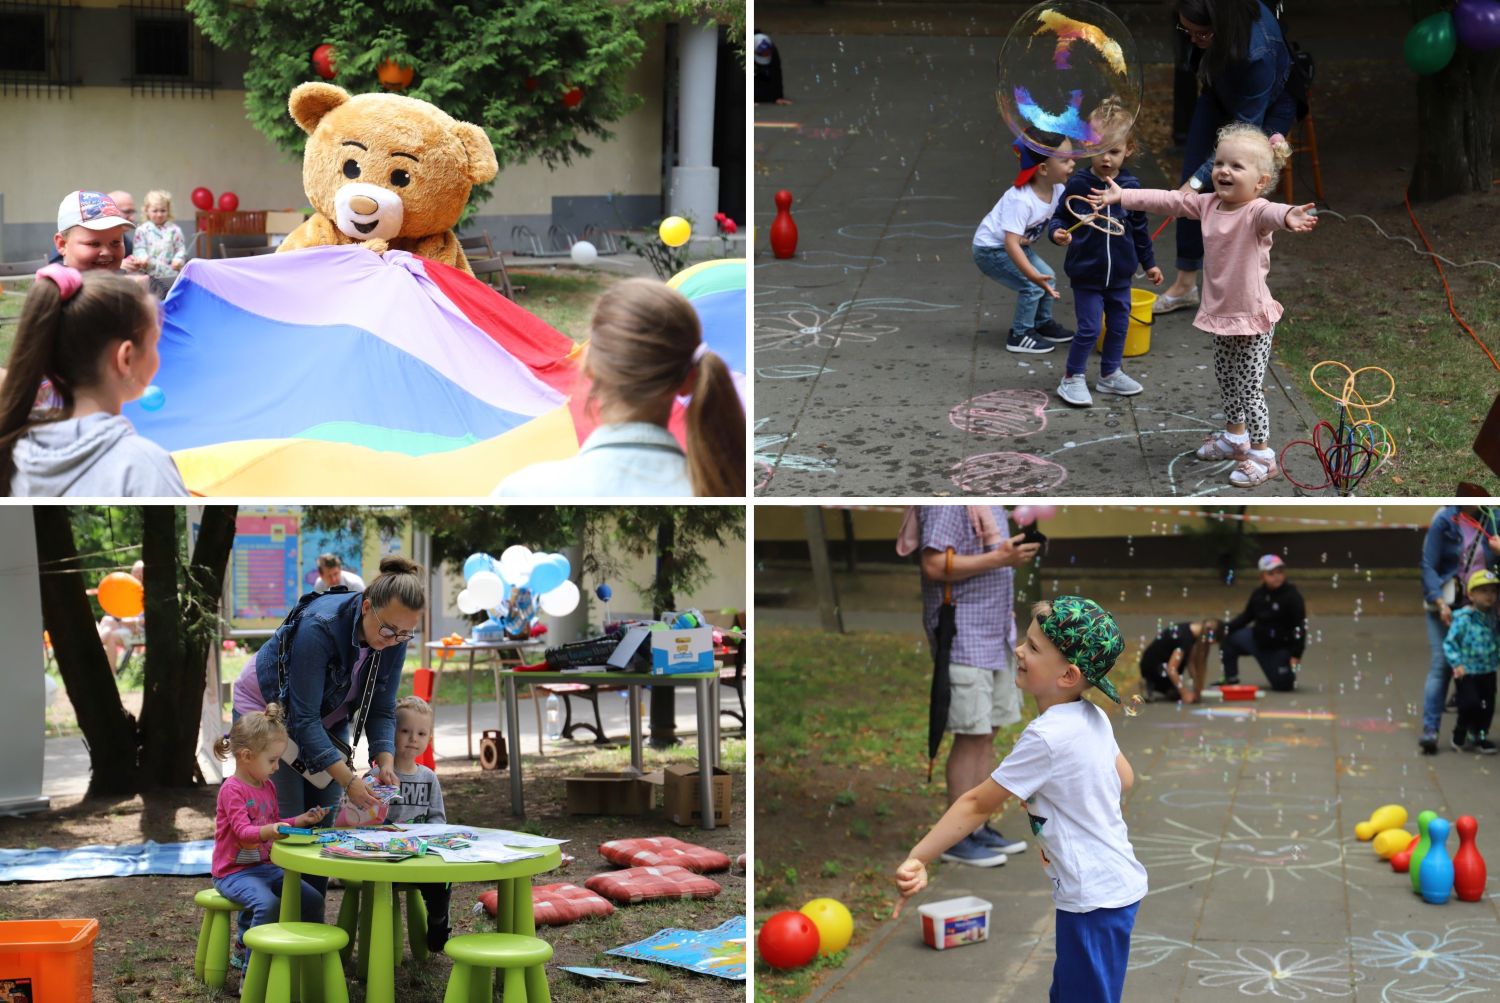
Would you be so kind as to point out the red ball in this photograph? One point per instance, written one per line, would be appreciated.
(202, 198)
(573, 97)
(229, 202)
(788, 940)
(322, 61)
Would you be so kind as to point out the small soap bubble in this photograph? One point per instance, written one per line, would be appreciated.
(1133, 705)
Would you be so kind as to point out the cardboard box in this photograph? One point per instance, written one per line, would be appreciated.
(283, 222)
(609, 794)
(680, 798)
(679, 651)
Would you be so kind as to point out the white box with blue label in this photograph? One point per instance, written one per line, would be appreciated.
(674, 652)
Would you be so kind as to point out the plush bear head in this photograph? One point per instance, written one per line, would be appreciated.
(387, 167)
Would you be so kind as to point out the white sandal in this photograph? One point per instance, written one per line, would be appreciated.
(1218, 447)
(1252, 472)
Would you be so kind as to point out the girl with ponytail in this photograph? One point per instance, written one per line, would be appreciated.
(85, 346)
(645, 350)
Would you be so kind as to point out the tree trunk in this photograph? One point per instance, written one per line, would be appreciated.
(822, 570)
(1455, 122)
(179, 629)
(109, 732)
(664, 698)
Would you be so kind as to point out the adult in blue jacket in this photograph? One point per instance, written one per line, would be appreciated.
(1243, 75)
(1461, 540)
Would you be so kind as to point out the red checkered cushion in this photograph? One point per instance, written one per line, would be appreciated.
(557, 905)
(654, 851)
(643, 884)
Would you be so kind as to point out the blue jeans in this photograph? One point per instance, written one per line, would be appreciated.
(1093, 949)
(1033, 305)
(1439, 672)
(258, 889)
(1091, 306)
(1276, 663)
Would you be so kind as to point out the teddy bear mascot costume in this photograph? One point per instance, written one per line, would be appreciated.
(386, 171)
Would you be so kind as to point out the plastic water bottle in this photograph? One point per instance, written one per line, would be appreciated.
(554, 716)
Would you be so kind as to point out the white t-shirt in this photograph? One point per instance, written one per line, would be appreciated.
(347, 579)
(1063, 767)
(1018, 211)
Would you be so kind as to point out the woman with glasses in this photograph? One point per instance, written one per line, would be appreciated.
(335, 666)
(1243, 69)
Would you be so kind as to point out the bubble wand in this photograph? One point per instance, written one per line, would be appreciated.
(1358, 445)
(1101, 221)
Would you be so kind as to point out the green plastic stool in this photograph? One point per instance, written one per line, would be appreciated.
(355, 913)
(521, 958)
(272, 977)
(211, 962)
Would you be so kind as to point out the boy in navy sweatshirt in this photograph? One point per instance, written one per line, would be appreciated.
(1100, 268)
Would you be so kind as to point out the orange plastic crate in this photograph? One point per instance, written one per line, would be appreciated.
(56, 955)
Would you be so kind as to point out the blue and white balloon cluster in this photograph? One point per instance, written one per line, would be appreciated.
(514, 578)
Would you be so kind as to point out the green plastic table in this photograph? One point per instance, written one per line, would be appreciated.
(705, 684)
(513, 915)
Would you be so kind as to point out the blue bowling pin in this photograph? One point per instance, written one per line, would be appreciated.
(1436, 882)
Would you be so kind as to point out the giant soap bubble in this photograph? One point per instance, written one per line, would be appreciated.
(1069, 70)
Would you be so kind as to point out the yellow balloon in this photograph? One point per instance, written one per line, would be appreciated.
(835, 925)
(674, 231)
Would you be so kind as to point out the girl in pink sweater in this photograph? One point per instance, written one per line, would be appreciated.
(246, 822)
(1237, 307)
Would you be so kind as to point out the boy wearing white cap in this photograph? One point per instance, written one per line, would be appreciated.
(1472, 647)
(91, 232)
(768, 89)
(1273, 629)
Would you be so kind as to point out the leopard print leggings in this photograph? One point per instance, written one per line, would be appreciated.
(1240, 365)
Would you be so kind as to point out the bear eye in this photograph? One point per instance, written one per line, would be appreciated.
(400, 179)
(351, 169)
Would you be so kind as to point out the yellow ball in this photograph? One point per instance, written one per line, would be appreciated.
(674, 231)
(835, 925)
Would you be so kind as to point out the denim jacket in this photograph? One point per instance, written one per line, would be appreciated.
(320, 664)
(1248, 90)
(1442, 549)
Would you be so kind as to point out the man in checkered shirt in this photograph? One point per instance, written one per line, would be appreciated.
(981, 665)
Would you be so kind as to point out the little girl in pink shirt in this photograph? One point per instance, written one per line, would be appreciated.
(1237, 307)
(246, 822)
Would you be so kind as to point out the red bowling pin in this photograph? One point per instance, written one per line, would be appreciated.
(1468, 865)
(783, 227)
(1401, 862)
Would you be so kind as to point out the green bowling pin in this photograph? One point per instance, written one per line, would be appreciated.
(1423, 845)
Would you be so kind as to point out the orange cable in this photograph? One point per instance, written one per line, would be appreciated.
(1406, 197)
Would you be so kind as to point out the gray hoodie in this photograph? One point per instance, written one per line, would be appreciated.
(98, 456)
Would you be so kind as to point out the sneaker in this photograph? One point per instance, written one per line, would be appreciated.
(1051, 330)
(969, 851)
(1075, 390)
(988, 835)
(1484, 747)
(1028, 344)
(1218, 447)
(437, 936)
(1166, 304)
(1118, 383)
(1456, 743)
(1428, 743)
(1253, 471)
(1228, 681)
(239, 956)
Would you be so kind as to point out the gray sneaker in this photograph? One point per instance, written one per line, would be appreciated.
(969, 851)
(1075, 390)
(1118, 383)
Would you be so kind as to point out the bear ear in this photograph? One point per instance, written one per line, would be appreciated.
(311, 101)
(482, 165)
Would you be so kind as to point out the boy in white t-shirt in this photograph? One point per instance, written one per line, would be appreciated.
(1069, 772)
(1002, 245)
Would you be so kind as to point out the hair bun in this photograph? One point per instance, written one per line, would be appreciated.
(275, 712)
(395, 564)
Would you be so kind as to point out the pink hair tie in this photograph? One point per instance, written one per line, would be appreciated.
(1276, 138)
(700, 352)
(68, 279)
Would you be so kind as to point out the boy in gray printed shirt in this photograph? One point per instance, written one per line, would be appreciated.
(421, 801)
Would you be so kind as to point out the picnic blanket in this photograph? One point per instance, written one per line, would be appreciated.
(101, 861)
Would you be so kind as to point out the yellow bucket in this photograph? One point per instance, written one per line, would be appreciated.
(1138, 334)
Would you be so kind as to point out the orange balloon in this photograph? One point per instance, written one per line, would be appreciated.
(394, 76)
(121, 595)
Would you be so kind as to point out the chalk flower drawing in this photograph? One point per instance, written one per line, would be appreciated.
(1147, 949)
(1242, 851)
(765, 453)
(791, 327)
(1392, 993)
(1293, 974)
(1444, 956)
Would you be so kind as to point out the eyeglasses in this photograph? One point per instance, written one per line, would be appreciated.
(1197, 36)
(391, 633)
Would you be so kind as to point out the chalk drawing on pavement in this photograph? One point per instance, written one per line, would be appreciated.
(1147, 949)
(1007, 474)
(792, 327)
(1246, 801)
(1456, 955)
(1001, 413)
(928, 230)
(827, 259)
(767, 444)
(789, 372)
(1242, 851)
(1293, 974)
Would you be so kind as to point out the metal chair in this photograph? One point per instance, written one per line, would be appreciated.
(247, 252)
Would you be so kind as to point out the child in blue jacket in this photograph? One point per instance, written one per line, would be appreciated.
(1100, 268)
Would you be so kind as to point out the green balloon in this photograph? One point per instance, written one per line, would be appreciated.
(1431, 43)
(1422, 847)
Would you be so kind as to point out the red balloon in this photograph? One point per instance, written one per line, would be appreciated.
(229, 202)
(788, 940)
(573, 97)
(203, 198)
(322, 61)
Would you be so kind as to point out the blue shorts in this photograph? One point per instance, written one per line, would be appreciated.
(1093, 949)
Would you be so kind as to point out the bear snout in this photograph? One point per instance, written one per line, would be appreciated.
(365, 211)
(364, 205)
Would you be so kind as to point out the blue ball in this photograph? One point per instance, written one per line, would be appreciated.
(604, 592)
(153, 398)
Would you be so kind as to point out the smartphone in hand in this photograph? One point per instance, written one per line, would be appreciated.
(1030, 534)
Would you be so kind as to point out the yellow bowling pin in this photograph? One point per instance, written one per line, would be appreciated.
(1391, 842)
(1388, 816)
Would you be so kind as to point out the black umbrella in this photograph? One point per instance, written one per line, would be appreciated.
(942, 647)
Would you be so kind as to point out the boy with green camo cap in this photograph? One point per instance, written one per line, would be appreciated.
(1069, 772)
